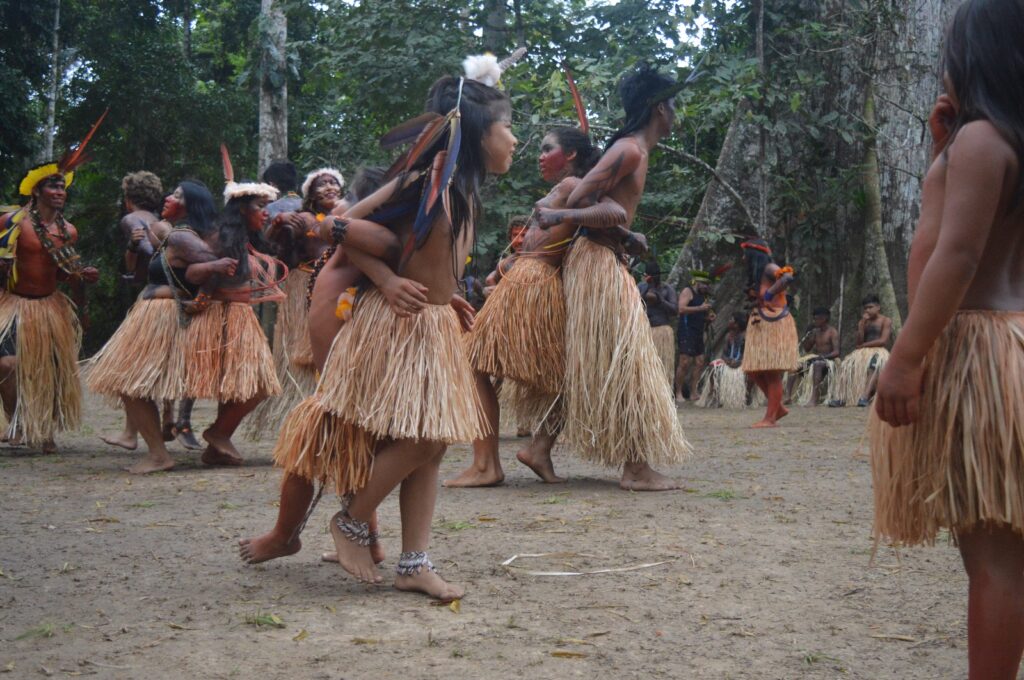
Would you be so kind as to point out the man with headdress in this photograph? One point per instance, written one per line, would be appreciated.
(694, 313)
(39, 333)
(619, 407)
(660, 303)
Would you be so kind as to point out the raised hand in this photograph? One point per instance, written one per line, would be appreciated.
(405, 296)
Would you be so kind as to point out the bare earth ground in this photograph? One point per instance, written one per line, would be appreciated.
(768, 575)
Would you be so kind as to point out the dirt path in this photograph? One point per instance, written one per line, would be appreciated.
(768, 577)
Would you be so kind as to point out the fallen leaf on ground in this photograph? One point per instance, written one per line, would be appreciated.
(259, 620)
(365, 641)
(303, 634)
(901, 638)
(44, 630)
(566, 654)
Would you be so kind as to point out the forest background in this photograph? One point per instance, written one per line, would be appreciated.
(808, 126)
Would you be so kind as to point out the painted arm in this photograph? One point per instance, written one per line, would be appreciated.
(606, 214)
(978, 163)
(615, 165)
(781, 283)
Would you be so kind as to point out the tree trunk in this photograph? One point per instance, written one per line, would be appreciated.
(273, 140)
(187, 20)
(55, 77)
(495, 27)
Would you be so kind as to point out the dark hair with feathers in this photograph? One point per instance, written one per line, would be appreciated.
(637, 90)
(757, 260)
(984, 58)
(573, 139)
(200, 210)
(234, 234)
(366, 181)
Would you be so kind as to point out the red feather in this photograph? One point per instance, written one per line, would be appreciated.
(718, 272)
(408, 131)
(72, 159)
(225, 160)
(581, 112)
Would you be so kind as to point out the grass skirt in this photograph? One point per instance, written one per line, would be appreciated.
(665, 343)
(618, 401)
(804, 388)
(386, 378)
(855, 372)
(725, 387)
(962, 463)
(229, 358)
(520, 332)
(293, 359)
(770, 345)
(530, 408)
(145, 357)
(48, 338)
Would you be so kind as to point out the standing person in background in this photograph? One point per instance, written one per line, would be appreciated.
(660, 301)
(694, 310)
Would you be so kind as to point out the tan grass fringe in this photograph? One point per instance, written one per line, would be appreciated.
(321, 447)
(770, 345)
(145, 357)
(723, 386)
(618, 402)
(804, 388)
(520, 332)
(293, 360)
(48, 340)
(228, 356)
(962, 463)
(854, 373)
(527, 406)
(665, 343)
(403, 378)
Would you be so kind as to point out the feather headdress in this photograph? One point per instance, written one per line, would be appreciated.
(676, 88)
(322, 171)
(577, 100)
(233, 189)
(65, 166)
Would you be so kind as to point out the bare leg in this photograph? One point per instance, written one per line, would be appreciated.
(9, 392)
(642, 477)
(869, 389)
(698, 367)
(394, 461)
(296, 495)
(145, 416)
(818, 376)
(681, 367)
(537, 456)
(790, 383)
(128, 439)
(221, 450)
(764, 382)
(485, 470)
(183, 427)
(994, 559)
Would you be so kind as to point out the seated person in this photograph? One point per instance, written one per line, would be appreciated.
(821, 341)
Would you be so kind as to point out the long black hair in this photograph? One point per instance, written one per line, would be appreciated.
(757, 260)
(638, 90)
(234, 234)
(480, 106)
(367, 180)
(984, 58)
(573, 139)
(200, 210)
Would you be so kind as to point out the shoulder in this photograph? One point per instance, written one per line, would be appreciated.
(771, 268)
(566, 185)
(980, 141)
(179, 238)
(625, 149)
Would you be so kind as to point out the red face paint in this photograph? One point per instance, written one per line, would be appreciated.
(52, 193)
(174, 207)
(552, 163)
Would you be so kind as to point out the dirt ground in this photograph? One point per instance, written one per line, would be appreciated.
(765, 571)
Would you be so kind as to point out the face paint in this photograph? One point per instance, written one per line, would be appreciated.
(552, 161)
(256, 215)
(174, 205)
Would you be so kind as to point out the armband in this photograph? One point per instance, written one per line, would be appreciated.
(339, 230)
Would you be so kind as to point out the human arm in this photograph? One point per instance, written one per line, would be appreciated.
(781, 282)
(667, 298)
(405, 296)
(605, 214)
(685, 308)
(617, 163)
(883, 337)
(464, 311)
(833, 352)
(359, 234)
(979, 162)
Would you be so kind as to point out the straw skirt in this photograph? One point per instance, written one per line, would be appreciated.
(770, 345)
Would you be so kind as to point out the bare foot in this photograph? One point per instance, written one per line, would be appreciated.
(214, 457)
(538, 459)
(764, 424)
(353, 558)
(474, 477)
(150, 464)
(221, 450)
(183, 433)
(643, 477)
(167, 432)
(266, 547)
(124, 440)
(781, 413)
(376, 552)
(49, 447)
(430, 583)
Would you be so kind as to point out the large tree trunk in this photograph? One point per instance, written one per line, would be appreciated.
(495, 29)
(273, 141)
(50, 130)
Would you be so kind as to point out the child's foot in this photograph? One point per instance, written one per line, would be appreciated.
(183, 433)
(645, 478)
(266, 547)
(351, 541)
(150, 464)
(475, 477)
(540, 462)
(416, 574)
(124, 440)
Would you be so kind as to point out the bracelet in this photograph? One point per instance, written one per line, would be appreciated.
(339, 230)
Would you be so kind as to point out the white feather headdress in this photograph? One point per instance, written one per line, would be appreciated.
(322, 171)
(486, 69)
(254, 189)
